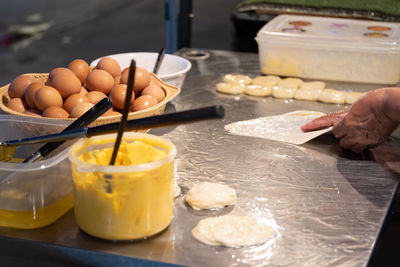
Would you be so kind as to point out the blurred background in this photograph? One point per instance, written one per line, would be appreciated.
(36, 36)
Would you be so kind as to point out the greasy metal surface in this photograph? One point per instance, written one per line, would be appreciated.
(327, 206)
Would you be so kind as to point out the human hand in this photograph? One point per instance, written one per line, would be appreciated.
(366, 123)
(324, 121)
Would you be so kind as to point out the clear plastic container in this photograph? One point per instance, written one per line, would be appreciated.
(33, 195)
(330, 49)
(123, 202)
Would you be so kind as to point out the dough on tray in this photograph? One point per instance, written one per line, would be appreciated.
(332, 96)
(237, 79)
(309, 91)
(232, 231)
(262, 85)
(258, 90)
(207, 195)
(269, 80)
(312, 86)
(231, 88)
(286, 88)
(352, 97)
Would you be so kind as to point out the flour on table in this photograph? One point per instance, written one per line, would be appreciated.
(207, 195)
(232, 231)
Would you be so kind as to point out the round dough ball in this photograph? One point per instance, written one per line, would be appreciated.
(19, 85)
(232, 231)
(207, 195)
(99, 80)
(237, 79)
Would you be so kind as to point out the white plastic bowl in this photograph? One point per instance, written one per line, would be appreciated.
(173, 68)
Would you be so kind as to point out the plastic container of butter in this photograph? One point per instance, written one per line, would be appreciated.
(130, 200)
(33, 195)
(330, 49)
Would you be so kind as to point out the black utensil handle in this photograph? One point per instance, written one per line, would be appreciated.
(88, 117)
(209, 112)
(160, 58)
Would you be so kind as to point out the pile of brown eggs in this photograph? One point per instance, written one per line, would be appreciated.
(70, 92)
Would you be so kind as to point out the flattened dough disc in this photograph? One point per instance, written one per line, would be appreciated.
(232, 231)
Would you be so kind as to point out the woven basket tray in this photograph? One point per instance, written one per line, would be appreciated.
(171, 92)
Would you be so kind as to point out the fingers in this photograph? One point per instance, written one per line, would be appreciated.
(317, 124)
(324, 121)
(338, 130)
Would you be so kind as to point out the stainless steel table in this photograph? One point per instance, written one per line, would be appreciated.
(327, 205)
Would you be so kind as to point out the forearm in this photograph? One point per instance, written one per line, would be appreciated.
(391, 103)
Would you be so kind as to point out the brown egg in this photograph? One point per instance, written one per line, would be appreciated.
(99, 80)
(17, 104)
(30, 93)
(117, 80)
(124, 76)
(94, 97)
(73, 101)
(33, 112)
(111, 113)
(143, 102)
(66, 84)
(46, 97)
(117, 96)
(80, 109)
(83, 91)
(60, 71)
(142, 78)
(81, 69)
(18, 86)
(155, 91)
(110, 65)
(55, 112)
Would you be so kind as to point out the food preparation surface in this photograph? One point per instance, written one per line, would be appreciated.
(326, 206)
